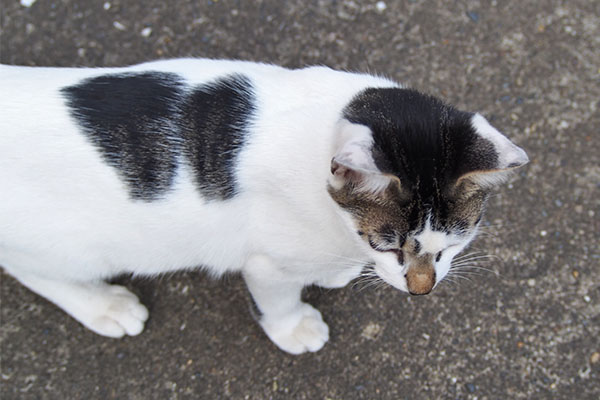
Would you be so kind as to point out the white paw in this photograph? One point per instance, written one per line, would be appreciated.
(304, 331)
(114, 312)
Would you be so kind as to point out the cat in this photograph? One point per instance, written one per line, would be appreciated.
(291, 177)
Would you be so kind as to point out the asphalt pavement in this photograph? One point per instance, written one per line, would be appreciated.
(526, 326)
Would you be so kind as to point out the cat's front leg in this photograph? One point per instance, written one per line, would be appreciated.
(294, 326)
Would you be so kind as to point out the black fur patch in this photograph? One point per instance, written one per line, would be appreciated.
(427, 144)
(143, 123)
(216, 117)
(132, 119)
(417, 248)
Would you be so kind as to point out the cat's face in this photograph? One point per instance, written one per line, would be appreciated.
(411, 176)
(412, 245)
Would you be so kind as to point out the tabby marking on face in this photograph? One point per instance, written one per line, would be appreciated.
(433, 156)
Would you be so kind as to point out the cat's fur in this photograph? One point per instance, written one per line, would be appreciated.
(293, 177)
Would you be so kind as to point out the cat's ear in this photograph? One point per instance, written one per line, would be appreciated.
(353, 159)
(493, 156)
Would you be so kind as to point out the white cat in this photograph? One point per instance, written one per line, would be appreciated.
(292, 177)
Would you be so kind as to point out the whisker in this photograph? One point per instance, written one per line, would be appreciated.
(472, 254)
(455, 275)
(468, 263)
(366, 276)
(369, 284)
(477, 267)
(485, 233)
(343, 257)
(364, 280)
(449, 279)
(449, 282)
(382, 285)
(467, 255)
(480, 257)
(468, 274)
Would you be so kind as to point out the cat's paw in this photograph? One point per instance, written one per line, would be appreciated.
(109, 310)
(298, 333)
(115, 313)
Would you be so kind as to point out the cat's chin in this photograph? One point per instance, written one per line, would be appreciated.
(393, 279)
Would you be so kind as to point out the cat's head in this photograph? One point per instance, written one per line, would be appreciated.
(411, 176)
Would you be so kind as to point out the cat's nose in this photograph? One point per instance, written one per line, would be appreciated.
(420, 280)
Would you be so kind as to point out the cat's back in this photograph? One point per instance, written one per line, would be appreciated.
(43, 109)
(39, 92)
(157, 164)
(109, 165)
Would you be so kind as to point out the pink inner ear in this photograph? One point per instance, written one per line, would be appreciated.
(353, 160)
(338, 169)
(341, 171)
(353, 148)
(373, 182)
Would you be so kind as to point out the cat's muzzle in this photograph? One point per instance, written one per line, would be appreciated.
(420, 280)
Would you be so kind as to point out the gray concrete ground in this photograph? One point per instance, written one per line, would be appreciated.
(528, 329)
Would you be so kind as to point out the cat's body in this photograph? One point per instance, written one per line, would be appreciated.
(223, 165)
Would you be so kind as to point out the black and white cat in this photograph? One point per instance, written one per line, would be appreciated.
(292, 177)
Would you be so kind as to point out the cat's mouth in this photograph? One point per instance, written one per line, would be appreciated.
(393, 279)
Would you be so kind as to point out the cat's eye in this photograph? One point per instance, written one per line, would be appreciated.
(438, 257)
(399, 253)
